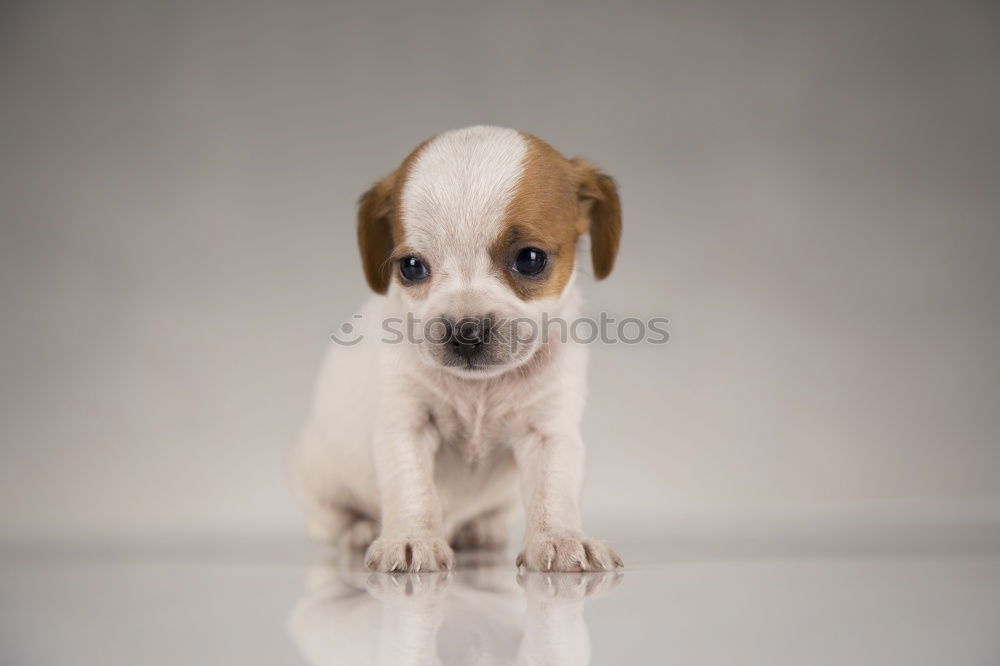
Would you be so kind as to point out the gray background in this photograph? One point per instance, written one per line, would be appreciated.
(810, 194)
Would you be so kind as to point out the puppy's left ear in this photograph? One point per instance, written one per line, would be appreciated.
(600, 214)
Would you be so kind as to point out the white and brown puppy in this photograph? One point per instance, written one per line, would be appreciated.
(417, 440)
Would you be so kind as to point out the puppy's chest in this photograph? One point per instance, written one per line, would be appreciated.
(476, 428)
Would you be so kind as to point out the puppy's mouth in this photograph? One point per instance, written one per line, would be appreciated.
(470, 365)
(483, 366)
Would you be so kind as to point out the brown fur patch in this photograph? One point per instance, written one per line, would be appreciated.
(556, 201)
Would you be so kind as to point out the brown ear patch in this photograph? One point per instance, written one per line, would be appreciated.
(600, 205)
(380, 229)
(375, 237)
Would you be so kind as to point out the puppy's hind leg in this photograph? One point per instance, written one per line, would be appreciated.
(360, 534)
(328, 523)
(318, 478)
(341, 527)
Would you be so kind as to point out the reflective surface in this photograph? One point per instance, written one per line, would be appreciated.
(482, 613)
(922, 601)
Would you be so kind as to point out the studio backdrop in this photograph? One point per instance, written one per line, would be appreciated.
(810, 197)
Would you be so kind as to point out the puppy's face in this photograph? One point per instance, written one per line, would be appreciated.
(476, 230)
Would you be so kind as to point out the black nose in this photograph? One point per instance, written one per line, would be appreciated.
(466, 337)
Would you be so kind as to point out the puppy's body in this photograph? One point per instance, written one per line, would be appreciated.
(421, 442)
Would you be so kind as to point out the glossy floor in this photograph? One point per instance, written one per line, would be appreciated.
(854, 599)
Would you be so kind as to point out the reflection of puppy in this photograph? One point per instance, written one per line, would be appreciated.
(554, 629)
(473, 237)
(469, 616)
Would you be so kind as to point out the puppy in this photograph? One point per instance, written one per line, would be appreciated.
(457, 380)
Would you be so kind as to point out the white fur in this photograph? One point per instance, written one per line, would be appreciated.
(429, 454)
(456, 195)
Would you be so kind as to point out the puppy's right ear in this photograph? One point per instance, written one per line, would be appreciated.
(375, 233)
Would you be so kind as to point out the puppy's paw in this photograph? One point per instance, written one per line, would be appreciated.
(409, 554)
(567, 552)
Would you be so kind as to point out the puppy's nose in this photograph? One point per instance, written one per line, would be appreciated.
(467, 337)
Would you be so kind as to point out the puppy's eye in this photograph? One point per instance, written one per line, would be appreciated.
(530, 261)
(413, 269)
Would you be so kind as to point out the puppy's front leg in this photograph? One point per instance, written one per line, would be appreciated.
(551, 469)
(411, 538)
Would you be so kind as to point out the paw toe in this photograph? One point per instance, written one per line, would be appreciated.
(409, 555)
(568, 553)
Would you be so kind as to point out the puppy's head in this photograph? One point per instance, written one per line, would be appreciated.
(476, 232)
